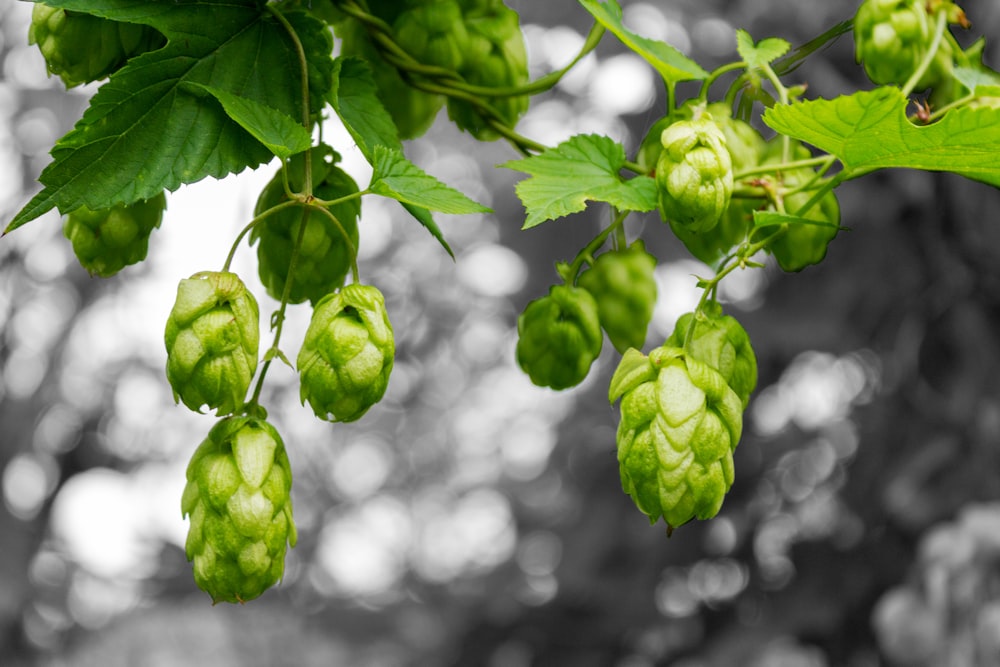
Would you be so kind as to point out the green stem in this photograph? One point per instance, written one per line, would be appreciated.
(772, 76)
(714, 76)
(784, 166)
(250, 225)
(347, 239)
(939, 29)
(587, 254)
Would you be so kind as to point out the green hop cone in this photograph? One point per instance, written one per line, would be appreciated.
(559, 337)
(81, 48)
(694, 173)
(413, 111)
(238, 499)
(680, 423)
(721, 342)
(433, 33)
(496, 57)
(622, 283)
(212, 336)
(347, 355)
(107, 240)
(892, 37)
(802, 244)
(324, 258)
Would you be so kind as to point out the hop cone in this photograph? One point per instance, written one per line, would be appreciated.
(623, 285)
(559, 337)
(347, 356)
(433, 33)
(107, 240)
(721, 342)
(237, 495)
(81, 48)
(212, 337)
(892, 37)
(496, 58)
(324, 257)
(802, 245)
(694, 174)
(413, 111)
(680, 423)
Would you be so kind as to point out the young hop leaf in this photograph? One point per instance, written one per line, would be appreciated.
(869, 130)
(583, 168)
(238, 498)
(763, 52)
(212, 336)
(108, 240)
(680, 423)
(152, 128)
(559, 337)
(347, 355)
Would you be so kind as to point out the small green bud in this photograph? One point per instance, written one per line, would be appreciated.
(212, 336)
(347, 355)
(559, 337)
(238, 499)
(107, 240)
(324, 258)
(622, 283)
(81, 48)
(680, 423)
(694, 173)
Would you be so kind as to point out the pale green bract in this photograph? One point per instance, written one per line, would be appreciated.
(623, 285)
(238, 498)
(105, 241)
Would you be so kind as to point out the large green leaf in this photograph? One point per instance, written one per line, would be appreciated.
(397, 178)
(584, 168)
(672, 65)
(352, 95)
(869, 130)
(151, 127)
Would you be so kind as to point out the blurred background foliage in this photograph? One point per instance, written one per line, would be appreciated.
(471, 518)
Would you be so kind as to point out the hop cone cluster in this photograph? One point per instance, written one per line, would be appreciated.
(212, 336)
(694, 173)
(107, 240)
(495, 57)
(622, 283)
(559, 337)
(892, 37)
(680, 423)
(237, 495)
(347, 355)
(324, 258)
(81, 48)
(721, 342)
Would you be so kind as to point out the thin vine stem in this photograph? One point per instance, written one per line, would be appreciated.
(939, 29)
(587, 254)
(250, 225)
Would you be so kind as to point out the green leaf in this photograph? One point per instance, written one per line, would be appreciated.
(584, 168)
(672, 65)
(396, 177)
(152, 128)
(980, 80)
(763, 52)
(353, 97)
(278, 131)
(633, 369)
(773, 219)
(869, 130)
(425, 218)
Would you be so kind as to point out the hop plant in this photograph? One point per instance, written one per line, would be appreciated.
(892, 37)
(347, 355)
(433, 33)
(81, 48)
(107, 240)
(212, 336)
(680, 422)
(721, 342)
(238, 498)
(496, 58)
(324, 258)
(622, 284)
(694, 173)
(559, 337)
